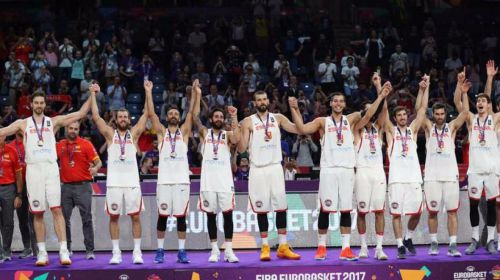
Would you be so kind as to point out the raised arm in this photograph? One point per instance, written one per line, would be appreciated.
(386, 90)
(188, 123)
(286, 124)
(65, 120)
(491, 71)
(13, 128)
(140, 126)
(155, 120)
(464, 114)
(457, 96)
(103, 128)
(424, 100)
(304, 129)
(234, 134)
(377, 82)
(196, 100)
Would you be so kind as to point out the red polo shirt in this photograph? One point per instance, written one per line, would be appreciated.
(18, 146)
(83, 154)
(9, 165)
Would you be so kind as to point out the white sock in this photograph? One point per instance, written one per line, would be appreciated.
(380, 239)
(453, 239)
(282, 238)
(322, 240)
(214, 245)
(41, 246)
(363, 240)
(229, 245)
(137, 244)
(346, 240)
(434, 237)
(399, 241)
(491, 233)
(160, 243)
(498, 241)
(63, 246)
(409, 234)
(475, 233)
(116, 245)
(182, 244)
(264, 241)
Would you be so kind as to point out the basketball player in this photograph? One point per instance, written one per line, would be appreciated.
(405, 177)
(217, 184)
(370, 181)
(42, 173)
(122, 182)
(441, 170)
(337, 166)
(173, 186)
(482, 162)
(260, 134)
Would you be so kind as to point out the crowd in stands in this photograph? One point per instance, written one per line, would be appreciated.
(287, 54)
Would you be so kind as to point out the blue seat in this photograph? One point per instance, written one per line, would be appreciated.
(158, 98)
(158, 78)
(134, 119)
(134, 98)
(308, 89)
(134, 109)
(4, 100)
(158, 107)
(158, 89)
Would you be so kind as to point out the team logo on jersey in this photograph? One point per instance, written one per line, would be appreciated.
(489, 121)
(114, 206)
(48, 123)
(434, 203)
(223, 136)
(473, 190)
(394, 205)
(362, 204)
(272, 119)
(205, 203)
(164, 206)
(345, 122)
(36, 203)
(328, 202)
(258, 203)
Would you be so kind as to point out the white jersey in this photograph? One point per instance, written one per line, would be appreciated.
(173, 167)
(441, 162)
(333, 154)
(404, 166)
(47, 151)
(122, 171)
(498, 150)
(369, 155)
(262, 152)
(482, 157)
(216, 174)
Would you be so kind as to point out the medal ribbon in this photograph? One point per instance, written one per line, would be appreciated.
(122, 142)
(72, 151)
(404, 140)
(19, 154)
(266, 126)
(338, 129)
(172, 140)
(371, 136)
(214, 144)
(39, 132)
(482, 129)
(439, 137)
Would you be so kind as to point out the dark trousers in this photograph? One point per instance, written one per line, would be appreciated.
(26, 227)
(7, 196)
(78, 196)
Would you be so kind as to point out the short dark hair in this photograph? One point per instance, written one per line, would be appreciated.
(171, 107)
(259, 92)
(485, 96)
(123, 110)
(438, 106)
(37, 94)
(217, 109)
(336, 93)
(398, 109)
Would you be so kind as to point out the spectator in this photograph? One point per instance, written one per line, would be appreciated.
(8, 115)
(214, 99)
(290, 170)
(453, 65)
(250, 78)
(117, 95)
(44, 81)
(428, 45)
(241, 172)
(350, 73)
(326, 73)
(219, 73)
(321, 49)
(238, 32)
(22, 49)
(110, 62)
(197, 39)
(153, 153)
(91, 41)
(86, 82)
(77, 72)
(399, 60)
(66, 51)
(15, 76)
(128, 65)
(146, 166)
(36, 64)
(253, 62)
(358, 40)
(202, 76)
(374, 50)
(412, 48)
(171, 96)
(100, 97)
(157, 46)
(93, 61)
(146, 68)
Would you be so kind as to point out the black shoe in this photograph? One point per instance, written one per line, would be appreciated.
(402, 252)
(409, 245)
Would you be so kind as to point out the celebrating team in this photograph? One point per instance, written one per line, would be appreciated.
(351, 165)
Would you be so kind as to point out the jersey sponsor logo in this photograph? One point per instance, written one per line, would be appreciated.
(205, 203)
(362, 204)
(434, 203)
(261, 126)
(258, 203)
(114, 206)
(36, 203)
(32, 130)
(164, 206)
(394, 205)
(328, 202)
(473, 190)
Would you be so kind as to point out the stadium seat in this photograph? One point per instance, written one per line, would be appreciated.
(134, 118)
(4, 100)
(158, 98)
(158, 107)
(308, 89)
(134, 109)
(158, 89)
(157, 79)
(134, 98)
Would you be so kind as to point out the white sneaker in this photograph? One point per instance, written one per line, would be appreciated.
(117, 257)
(42, 259)
(214, 255)
(229, 256)
(137, 257)
(64, 257)
(380, 255)
(363, 253)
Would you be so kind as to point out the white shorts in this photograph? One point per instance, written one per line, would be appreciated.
(405, 198)
(43, 186)
(114, 200)
(209, 200)
(336, 186)
(370, 189)
(172, 199)
(479, 182)
(266, 189)
(439, 193)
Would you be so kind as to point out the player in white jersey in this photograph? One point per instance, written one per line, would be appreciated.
(337, 168)
(260, 133)
(173, 185)
(483, 163)
(122, 182)
(42, 173)
(405, 176)
(441, 186)
(370, 182)
(217, 184)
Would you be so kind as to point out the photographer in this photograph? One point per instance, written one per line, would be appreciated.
(303, 149)
(326, 74)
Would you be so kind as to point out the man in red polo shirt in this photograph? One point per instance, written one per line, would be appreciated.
(23, 215)
(11, 187)
(78, 162)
